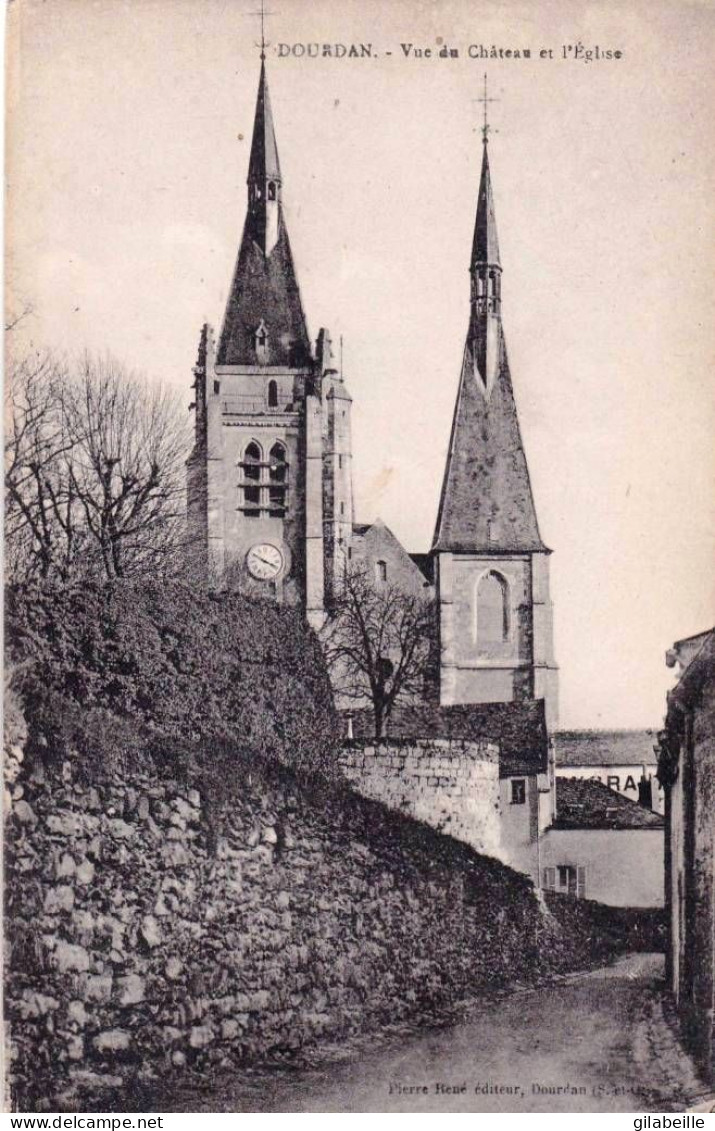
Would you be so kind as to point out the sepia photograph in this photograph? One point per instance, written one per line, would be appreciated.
(359, 528)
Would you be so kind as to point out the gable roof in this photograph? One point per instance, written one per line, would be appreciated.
(518, 728)
(582, 803)
(605, 747)
(372, 540)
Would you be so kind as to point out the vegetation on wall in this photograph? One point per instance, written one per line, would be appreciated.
(142, 669)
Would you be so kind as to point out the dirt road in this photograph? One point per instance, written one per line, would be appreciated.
(589, 1043)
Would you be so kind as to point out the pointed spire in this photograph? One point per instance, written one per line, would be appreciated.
(486, 505)
(264, 322)
(485, 245)
(263, 164)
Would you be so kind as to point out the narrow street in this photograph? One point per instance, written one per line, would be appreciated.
(589, 1043)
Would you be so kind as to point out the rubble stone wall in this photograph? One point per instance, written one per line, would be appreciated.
(151, 931)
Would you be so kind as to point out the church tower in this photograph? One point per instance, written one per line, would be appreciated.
(267, 448)
(492, 567)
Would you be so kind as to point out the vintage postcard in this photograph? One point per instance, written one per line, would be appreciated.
(358, 557)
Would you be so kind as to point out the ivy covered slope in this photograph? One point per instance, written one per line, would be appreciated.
(163, 671)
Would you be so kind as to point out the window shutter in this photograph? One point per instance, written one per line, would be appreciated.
(549, 878)
(581, 883)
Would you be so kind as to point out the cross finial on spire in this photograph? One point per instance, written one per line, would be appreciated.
(485, 100)
(264, 42)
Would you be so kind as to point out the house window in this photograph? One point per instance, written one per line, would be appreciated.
(569, 879)
(492, 610)
(272, 394)
(381, 571)
(518, 791)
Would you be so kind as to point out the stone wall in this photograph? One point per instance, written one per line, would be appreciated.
(150, 931)
(154, 931)
(451, 785)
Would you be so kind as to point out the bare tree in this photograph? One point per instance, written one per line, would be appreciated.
(39, 510)
(94, 470)
(379, 644)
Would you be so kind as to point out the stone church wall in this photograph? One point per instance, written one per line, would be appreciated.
(452, 786)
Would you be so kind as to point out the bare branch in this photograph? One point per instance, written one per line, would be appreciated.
(378, 644)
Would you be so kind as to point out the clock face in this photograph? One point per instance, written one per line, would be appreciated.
(264, 561)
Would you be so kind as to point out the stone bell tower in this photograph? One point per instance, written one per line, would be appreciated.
(268, 451)
(492, 567)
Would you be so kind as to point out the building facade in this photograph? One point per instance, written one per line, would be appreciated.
(686, 769)
(603, 846)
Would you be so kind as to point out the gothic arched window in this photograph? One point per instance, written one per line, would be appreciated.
(251, 486)
(272, 190)
(492, 610)
(272, 394)
(278, 481)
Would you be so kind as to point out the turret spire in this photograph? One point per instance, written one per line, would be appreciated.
(485, 245)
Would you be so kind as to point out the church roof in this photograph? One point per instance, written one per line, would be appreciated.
(486, 505)
(519, 729)
(264, 291)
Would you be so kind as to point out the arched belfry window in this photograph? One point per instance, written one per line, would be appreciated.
(492, 610)
(273, 394)
(251, 483)
(272, 190)
(264, 482)
(278, 482)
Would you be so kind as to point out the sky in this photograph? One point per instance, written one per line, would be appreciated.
(128, 138)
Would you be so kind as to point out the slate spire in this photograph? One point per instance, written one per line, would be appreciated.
(263, 163)
(486, 505)
(264, 323)
(485, 245)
